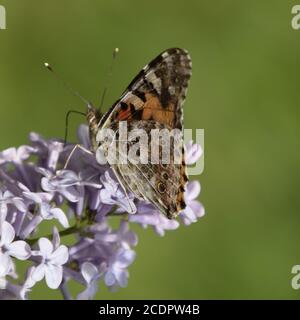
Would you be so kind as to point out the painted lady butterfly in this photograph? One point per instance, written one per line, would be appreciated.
(153, 100)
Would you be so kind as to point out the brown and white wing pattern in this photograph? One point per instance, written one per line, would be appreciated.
(154, 99)
(156, 93)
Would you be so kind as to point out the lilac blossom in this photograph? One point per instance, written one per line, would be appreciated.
(81, 199)
(7, 198)
(91, 275)
(149, 215)
(194, 209)
(9, 248)
(117, 273)
(112, 194)
(193, 152)
(16, 291)
(53, 257)
(45, 211)
(18, 249)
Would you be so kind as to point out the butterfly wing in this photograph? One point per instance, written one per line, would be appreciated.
(156, 93)
(154, 99)
(158, 182)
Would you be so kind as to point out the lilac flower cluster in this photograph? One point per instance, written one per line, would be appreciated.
(80, 200)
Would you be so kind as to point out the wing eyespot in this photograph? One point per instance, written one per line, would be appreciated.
(161, 187)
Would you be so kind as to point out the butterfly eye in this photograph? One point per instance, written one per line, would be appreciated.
(161, 187)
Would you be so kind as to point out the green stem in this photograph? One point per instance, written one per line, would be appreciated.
(77, 227)
(70, 230)
(66, 232)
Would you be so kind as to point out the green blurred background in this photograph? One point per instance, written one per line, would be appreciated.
(245, 94)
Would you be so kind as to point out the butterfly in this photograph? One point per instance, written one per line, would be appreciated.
(153, 100)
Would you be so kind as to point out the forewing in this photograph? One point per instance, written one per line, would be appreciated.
(156, 93)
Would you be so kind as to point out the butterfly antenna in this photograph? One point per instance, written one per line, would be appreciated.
(108, 76)
(67, 85)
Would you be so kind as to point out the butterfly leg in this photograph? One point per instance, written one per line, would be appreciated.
(77, 146)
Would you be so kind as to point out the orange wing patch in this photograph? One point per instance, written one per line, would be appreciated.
(124, 113)
(154, 110)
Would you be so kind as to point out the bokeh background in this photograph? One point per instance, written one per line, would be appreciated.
(245, 94)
